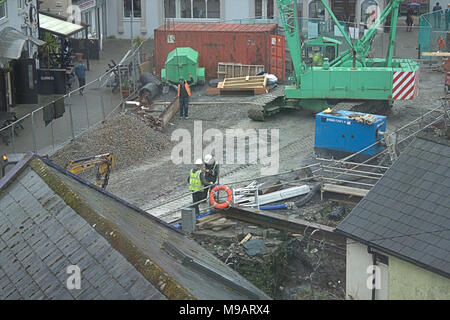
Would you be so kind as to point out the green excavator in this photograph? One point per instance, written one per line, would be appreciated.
(323, 78)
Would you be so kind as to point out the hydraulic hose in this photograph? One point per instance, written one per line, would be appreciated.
(275, 207)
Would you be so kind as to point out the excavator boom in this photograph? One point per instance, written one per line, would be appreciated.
(104, 164)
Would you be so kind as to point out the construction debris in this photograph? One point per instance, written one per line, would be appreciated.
(362, 118)
(254, 247)
(158, 114)
(274, 196)
(246, 238)
(270, 187)
(216, 224)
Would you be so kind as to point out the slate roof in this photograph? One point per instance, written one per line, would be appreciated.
(50, 219)
(40, 236)
(407, 213)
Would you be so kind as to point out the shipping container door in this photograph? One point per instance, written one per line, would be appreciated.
(277, 57)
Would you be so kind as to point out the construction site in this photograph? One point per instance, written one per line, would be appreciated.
(301, 147)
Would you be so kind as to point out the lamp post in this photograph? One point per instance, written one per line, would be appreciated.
(132, 46)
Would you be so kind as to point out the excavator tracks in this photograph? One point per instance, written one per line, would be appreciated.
(259, 111)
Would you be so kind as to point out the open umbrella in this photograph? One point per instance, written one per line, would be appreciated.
(413, 4)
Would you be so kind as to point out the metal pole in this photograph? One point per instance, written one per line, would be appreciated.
(53, 136)
(87, 111)
(103, 107)
(120, 86)
(132, 44)
(72, 129)
(13, 139)
(33, 132)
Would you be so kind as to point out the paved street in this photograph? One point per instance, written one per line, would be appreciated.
(84, 111)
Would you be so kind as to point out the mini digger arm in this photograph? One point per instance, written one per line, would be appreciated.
(104, 164)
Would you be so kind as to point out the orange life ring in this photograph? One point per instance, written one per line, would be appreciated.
(224, 205)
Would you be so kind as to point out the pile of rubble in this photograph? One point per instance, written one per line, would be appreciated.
(284, 265)
(126, 136)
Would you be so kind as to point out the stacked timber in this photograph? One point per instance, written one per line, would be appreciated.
(249, 85)
(233, 70)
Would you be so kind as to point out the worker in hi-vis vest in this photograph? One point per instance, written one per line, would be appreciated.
(197, 184)
(184, 92)
(211, 169)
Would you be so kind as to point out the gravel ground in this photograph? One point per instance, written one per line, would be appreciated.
(145, 174)
(156, 179)
(126, 136)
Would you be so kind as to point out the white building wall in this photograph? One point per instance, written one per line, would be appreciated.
(153, 16)
(238, 9)
(120, 27)
(358, 274)
(14, 17)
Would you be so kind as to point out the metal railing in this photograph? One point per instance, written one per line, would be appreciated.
(84, 108)
(362, 175)
(434, 26)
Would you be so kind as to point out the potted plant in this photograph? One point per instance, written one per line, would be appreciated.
(49, 48)
(126, 87)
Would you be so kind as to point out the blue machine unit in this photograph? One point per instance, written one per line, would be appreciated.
(338, 136)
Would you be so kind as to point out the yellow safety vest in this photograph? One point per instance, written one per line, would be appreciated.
(188, 90)
(195, 183)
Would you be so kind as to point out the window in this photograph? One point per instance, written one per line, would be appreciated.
(199, 9)
(264, 9)
(186, 9)
(316, 9)
(3, 9)
(170, 9)
(192, 9)
(136, 8)
(213, 9)
(20, 4)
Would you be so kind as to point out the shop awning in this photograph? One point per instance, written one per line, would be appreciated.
(58, 26)
(13, 41)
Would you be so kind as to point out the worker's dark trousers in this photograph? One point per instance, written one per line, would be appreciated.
(184, 107)
(437, 21)
(196, 197)
(82, 83)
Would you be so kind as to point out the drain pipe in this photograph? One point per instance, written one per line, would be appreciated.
(374, 263)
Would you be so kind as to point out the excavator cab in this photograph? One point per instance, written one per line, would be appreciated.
(316, 50)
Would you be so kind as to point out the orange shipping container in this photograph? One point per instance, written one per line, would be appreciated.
(256, 44)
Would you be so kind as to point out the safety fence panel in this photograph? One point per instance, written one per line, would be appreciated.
(56, 123)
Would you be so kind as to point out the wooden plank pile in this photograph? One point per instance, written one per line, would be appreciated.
(250, 85)
(233, 70)
(215, 222)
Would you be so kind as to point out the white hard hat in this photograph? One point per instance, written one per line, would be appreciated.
(208, 158)
(198, 162)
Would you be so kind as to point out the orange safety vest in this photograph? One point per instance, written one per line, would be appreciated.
(188, 90)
